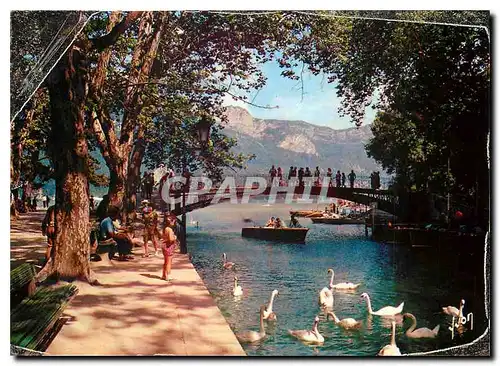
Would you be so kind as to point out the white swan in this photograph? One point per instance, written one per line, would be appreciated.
(268, 313)
(391, 349)
(226, 264)
(453, 311)
(347, 323)
(309, 336)
(237, 290)
(326, 297)
(385, 311)
(342, 285)
(411, 332)
(251, 336)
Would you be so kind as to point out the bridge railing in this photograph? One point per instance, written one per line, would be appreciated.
(359, 182)
(240, 181)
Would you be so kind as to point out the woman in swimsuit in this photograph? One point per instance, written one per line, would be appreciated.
(168, 244)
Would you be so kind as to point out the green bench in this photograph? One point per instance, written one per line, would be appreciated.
(35, 319)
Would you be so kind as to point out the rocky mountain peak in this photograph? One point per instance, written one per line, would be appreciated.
(298, 143)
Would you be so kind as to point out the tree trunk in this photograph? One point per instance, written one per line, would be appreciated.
(68, 87)
(117, 151)
(134, 172)
(117, 183)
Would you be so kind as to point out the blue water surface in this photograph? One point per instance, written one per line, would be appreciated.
(421, 277)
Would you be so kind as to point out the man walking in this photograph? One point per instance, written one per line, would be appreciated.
(272, 173)
(337, 178)
(352, 177)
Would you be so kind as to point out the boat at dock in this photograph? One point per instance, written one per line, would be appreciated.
(285, 235)
(337, 221)
(307, 213)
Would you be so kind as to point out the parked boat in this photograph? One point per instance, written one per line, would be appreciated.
(337, 220)
(287, 235)
(307, 213)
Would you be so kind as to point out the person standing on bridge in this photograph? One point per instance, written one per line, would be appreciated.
(301, 177)
(337, 178)
(280, 175)
(317, 173)
(329, 175)
(343, 179)
(294, 176)
(352, 177)
(290, 173)
(308, 174)
(272, 173)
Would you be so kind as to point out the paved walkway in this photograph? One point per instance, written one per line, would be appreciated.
(134, 312)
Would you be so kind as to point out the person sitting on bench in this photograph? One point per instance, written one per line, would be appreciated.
(110, 235)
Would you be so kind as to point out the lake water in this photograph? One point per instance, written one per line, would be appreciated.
(423, 278)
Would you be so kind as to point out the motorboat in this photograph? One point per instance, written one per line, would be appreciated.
(285, 235)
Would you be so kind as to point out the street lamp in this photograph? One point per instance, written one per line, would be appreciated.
(203, 131)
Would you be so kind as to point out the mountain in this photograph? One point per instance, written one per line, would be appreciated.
(298, 143)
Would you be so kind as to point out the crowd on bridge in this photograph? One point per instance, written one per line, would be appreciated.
(305, 176)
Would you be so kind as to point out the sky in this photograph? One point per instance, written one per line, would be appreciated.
(319, 105)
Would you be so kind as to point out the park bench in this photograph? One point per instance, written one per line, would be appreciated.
(35, 312)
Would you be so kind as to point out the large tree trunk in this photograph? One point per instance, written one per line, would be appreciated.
(68, 87)
(117, 183)
(117, 151)
(134, 172)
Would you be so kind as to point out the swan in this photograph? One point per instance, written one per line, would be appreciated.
(309, 336)
(453, 311)
(326, 297)
(268, 313)
(391, 349)
(347, 323)
(385, 311)
(237, 290)
(251, 336)
(226, 264)
(342, 285)
(420, 332)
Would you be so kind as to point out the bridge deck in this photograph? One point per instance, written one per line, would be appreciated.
(385, 199)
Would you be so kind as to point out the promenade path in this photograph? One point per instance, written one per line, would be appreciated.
(133, 312)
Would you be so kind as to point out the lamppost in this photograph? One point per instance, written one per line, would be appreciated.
(203, 132)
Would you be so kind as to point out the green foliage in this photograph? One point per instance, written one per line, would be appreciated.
(434, 81)
(29, 134)
(176, 143)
